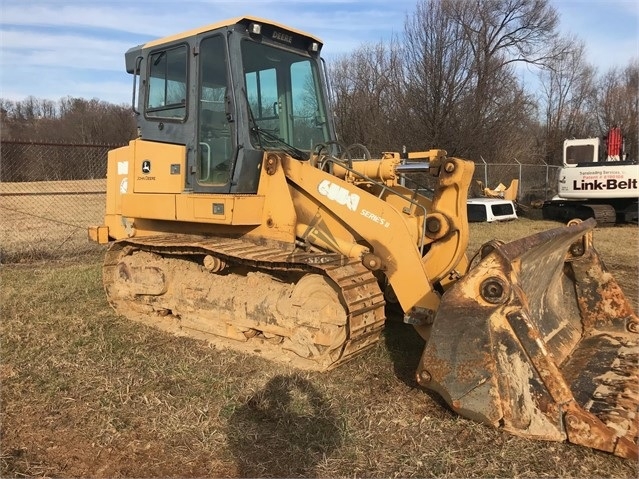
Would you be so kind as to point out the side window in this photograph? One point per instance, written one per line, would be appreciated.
(167, 86)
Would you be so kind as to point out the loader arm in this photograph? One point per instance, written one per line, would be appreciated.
(414, 241)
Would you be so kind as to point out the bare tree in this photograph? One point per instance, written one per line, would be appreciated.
(460, 80)
(618, 104)
(567, 89)
(438, 65)
(501, 34)
(436, 88)
(367, 89)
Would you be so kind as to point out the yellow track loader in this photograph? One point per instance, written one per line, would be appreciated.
(237, 217)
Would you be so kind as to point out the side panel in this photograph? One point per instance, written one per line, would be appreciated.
(158, 167)
(119, 165)
(220, 209)
(267, 215)
(151, 206)
(601, 181)
(143, 179)
(117, 177)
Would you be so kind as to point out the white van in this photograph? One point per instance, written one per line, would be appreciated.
(490, 209)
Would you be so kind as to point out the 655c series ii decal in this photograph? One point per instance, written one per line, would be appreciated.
(344, 197)
(338, 194)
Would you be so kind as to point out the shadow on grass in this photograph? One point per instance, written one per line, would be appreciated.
(284, 430)
(405, 347)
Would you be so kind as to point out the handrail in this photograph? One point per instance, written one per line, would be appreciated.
(136, 72)
(342, 164)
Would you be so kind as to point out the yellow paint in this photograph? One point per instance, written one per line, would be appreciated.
(99, 234)
(148, 205)
(219, 209)
(166, 165)
(120, 156)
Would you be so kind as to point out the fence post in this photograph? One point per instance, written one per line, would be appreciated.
(547, 180)
(520, 178)
(485, 172)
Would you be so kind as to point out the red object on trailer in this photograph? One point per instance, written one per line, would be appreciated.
(614, 142)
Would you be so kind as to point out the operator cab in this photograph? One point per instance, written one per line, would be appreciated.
(581, 151)
(229, 92)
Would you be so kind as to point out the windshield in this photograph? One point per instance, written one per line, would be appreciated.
(580, 154)
(285, 98)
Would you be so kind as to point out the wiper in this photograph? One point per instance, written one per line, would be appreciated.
(290, 149)
(252, 121)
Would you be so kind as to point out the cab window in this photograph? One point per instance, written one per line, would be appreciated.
(580, 154)
(167, 87)
(284, 97)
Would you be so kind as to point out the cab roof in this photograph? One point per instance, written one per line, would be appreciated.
(226, 23)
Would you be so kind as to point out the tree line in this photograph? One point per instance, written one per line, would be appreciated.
(483, 79)
(68, 120)
(491, 79)
(42, 139)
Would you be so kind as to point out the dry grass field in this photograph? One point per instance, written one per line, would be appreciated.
(86, 393)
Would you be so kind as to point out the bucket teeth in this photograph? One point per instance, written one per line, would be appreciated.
(616, 394)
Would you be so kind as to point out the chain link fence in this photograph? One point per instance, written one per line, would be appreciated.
(50, 193)
(536, 181)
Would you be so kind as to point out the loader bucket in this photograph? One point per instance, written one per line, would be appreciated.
(538, 339)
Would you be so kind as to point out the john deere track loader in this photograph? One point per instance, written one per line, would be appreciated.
(238, 218)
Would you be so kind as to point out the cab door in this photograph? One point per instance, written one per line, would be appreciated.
(216, 138)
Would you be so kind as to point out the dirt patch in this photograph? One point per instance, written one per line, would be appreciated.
(49, 446)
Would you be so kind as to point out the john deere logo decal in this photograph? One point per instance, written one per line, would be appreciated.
(146, 167)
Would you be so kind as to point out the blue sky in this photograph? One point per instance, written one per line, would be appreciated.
(56, 48)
